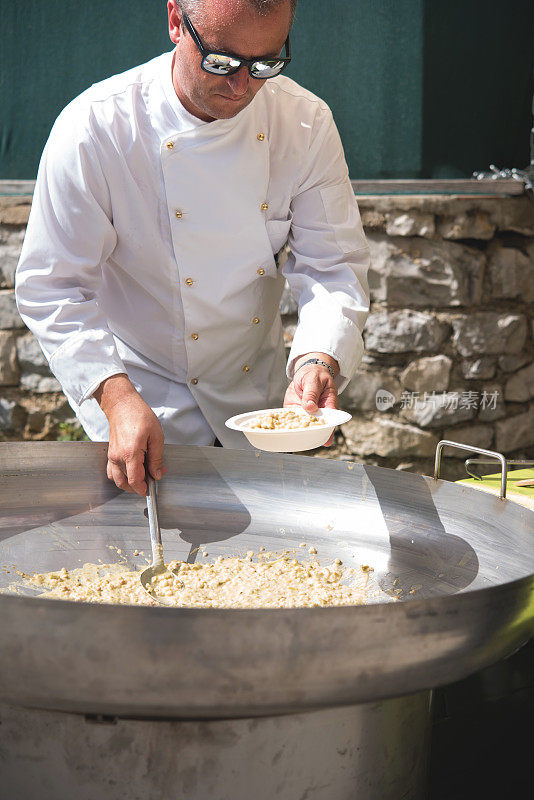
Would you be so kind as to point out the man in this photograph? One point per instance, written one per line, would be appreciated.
(148, 271)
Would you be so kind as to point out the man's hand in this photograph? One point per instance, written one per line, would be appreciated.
(312, 386)
(134, 430)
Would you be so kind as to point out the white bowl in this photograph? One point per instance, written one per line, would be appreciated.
(291, 441)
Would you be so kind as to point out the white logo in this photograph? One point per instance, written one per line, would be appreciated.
(384, 400)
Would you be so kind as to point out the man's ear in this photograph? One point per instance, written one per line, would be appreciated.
(175, 21)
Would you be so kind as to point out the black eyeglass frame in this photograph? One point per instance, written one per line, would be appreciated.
(242, 61)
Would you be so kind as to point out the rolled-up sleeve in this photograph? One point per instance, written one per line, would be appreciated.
(69, 236)
(329, 257)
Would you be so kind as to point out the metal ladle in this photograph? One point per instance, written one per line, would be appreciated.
(158, 564)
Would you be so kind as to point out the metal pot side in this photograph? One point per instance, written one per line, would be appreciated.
(470, 555)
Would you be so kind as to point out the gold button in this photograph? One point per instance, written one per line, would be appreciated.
(189, 281)
(170, 145)
(178, 214)
(261, 271)
(260, 137)
(194, 381)
(194, 336)
(264, 206)
(246, 368)
(255, 320)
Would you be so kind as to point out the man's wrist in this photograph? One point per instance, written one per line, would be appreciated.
(113, 390)
(328, 359)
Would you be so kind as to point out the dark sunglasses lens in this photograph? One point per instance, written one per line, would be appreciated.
(266, 69)
(220, 65)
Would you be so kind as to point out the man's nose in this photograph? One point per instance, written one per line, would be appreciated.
(239, 81)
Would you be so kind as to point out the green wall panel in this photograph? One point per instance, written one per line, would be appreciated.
(419, 88)
(478, 85)
(54, 49)
(372, 78)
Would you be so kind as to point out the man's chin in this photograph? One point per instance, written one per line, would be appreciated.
(223, 108)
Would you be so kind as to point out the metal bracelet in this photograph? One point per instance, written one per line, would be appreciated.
(317, 361)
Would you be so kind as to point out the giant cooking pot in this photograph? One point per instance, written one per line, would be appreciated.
(462, 560)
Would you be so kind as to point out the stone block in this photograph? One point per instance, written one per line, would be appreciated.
(289, 333)
(515, 214)
(10, 247)
(9, 315)
(12, 416)
(520, 387)
(287, 304)
(12, 236)
(39, 383)
(387, 438)
(467, 225)
(439, 410)
(385, 361)
(491, 403)
(411, 223)
(361, 393)
(475, 435)
(380, 251)
(430, 374)
(35, 376)
(9, 259)
(424, 273)
(513, 363)
(511, 274)
(54, 407)
(489, 333)
(14, 210)
(404, 332)
(478, 368)
(515, 433)
(31, 357)
(427, 282)
(9, 371)
(373, 220)
(46, 413)
(37, 420)
(506, 213)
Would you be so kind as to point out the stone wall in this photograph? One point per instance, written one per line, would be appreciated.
(449, 342)
(450, 338)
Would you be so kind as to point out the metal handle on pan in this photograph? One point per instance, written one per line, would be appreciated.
(471, 463)
(491, 453)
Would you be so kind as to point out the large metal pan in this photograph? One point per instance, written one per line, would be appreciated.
(471, 555)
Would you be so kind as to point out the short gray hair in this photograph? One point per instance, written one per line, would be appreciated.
(194, 8)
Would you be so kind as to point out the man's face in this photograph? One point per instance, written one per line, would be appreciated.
(229, 26)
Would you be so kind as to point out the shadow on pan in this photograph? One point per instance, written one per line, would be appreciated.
(61, 484)
(202, 508)
(425, 559)
(41, 502)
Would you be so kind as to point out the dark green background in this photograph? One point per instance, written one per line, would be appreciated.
(419, 88)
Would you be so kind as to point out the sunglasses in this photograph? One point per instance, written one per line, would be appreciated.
(225, 64)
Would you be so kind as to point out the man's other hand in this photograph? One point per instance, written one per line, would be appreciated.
(134, 433)
(312, 386)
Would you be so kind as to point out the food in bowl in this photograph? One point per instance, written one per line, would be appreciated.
(283, 420)
(287, 430)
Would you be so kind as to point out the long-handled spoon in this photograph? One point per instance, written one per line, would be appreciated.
(158, 564)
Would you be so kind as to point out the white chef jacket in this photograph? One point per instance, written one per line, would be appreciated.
(151, 246)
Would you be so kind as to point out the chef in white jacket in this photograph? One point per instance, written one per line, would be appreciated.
(149, 271)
